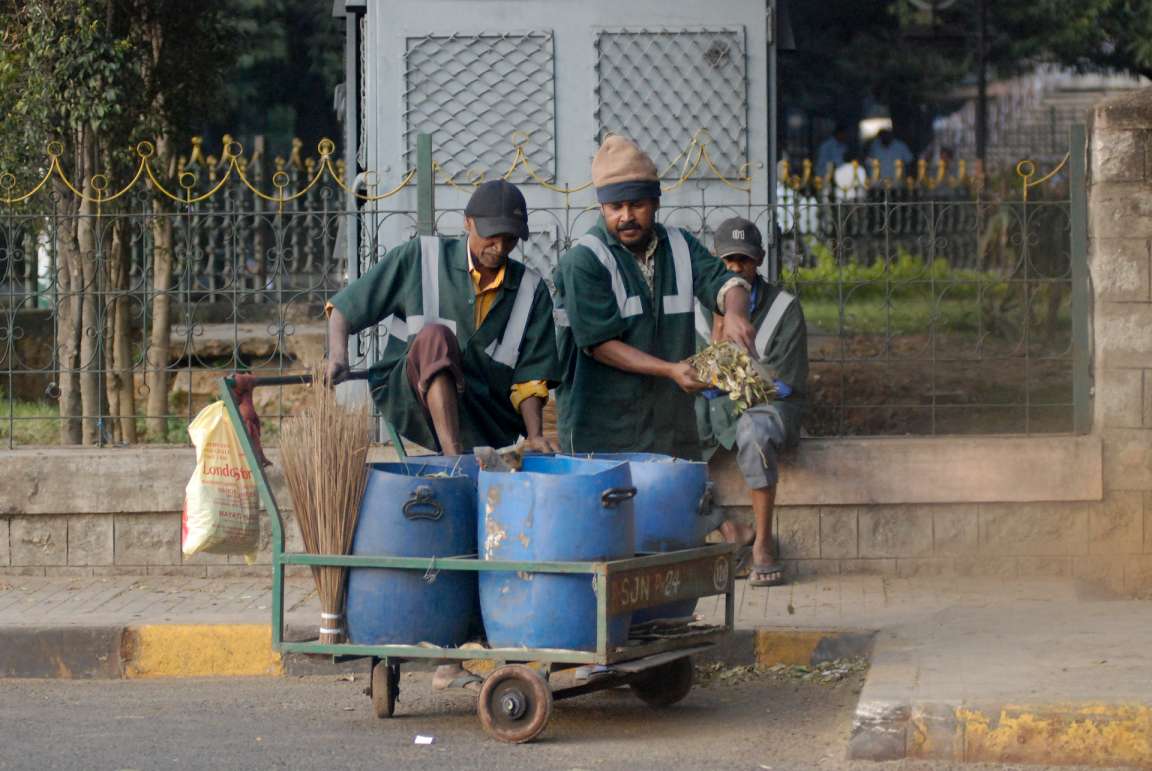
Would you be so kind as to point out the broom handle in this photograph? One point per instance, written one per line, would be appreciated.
(286, 380)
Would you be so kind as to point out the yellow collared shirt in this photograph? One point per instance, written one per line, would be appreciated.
(485, 297)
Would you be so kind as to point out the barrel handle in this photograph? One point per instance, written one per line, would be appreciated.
(423, 504)
(704, 508)
(615, 495)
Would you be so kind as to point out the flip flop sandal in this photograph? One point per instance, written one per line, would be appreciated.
(766, 575)
(465, 682)
(591, 672)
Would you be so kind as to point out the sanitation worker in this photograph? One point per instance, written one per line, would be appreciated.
(761, 432)
(627, 289)
(471, 347)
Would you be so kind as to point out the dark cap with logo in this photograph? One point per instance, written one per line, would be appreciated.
(739, 236)
(498, 208)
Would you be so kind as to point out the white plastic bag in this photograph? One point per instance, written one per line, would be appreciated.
(221, 508)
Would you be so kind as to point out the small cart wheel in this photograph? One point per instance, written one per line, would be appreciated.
(666, 684)
(515, 704)
(385, 688)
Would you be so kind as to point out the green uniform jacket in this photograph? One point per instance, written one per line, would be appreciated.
(515, 343)
(603, 296)
(782, 347)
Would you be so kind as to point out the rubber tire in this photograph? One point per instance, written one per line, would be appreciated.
(537, 698)
(666, 684)
(385, 687)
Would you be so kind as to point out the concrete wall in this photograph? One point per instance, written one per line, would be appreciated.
(1008, 506)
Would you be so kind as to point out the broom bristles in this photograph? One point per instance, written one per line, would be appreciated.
(324, 452)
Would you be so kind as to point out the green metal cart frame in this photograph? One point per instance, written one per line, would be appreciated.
(515, 700)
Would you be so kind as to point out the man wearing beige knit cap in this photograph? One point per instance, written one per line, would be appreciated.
(625, 317)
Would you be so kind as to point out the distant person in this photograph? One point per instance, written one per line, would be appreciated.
(887, 149)
(830, 154)
(945, 163)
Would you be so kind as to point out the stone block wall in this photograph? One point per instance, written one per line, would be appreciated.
(145, 544)
(1108, 543)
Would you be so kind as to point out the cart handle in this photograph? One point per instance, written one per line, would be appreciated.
(286, 380)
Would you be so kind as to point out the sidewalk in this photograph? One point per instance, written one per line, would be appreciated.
(980, 669)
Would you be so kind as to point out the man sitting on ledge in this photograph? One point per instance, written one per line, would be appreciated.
(763, 431)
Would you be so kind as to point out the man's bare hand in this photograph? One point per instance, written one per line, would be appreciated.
(539, 444)
(740, 331)
(336, 372)
(684, 375)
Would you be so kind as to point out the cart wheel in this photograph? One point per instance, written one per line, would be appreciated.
(385, 688)
(515, 704)
(666, 684)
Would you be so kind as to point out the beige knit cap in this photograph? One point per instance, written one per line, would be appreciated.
(620, 160)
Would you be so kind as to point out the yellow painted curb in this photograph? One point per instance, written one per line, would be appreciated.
(199, 650)
(787, 646)
(1089, 734)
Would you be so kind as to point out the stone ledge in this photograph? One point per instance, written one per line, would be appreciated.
(826, 472)
(952, 469)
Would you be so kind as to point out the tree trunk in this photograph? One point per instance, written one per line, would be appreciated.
(91, 334)
(67, 319)
(159, 342)
(121, 397)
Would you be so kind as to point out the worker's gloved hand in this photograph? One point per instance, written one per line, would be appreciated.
(783, 390)
(712, 393)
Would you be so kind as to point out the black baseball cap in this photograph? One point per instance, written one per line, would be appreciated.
(739, 236)
(498, 207)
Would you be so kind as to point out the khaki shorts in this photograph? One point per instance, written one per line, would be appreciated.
(760, 438)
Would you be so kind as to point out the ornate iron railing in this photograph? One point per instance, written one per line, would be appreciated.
(937, 302)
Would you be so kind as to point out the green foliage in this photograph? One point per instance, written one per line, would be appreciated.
(904, 277)
(118, 70)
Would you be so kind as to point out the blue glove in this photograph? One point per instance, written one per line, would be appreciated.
(712, 393)
(783, 390)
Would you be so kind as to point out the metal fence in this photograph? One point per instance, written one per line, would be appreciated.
(939, 307)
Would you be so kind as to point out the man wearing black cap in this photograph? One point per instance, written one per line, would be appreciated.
(471, 349)
(760, 433)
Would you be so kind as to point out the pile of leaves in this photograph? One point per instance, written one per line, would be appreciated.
(825, 673)
(729, 368)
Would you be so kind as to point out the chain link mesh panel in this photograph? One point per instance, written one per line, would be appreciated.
(661, 86)
(473, 92)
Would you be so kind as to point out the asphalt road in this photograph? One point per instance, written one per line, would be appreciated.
(745, 722)
(324, 723)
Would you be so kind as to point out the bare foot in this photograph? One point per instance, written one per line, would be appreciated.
(738, 533)
(455, 676)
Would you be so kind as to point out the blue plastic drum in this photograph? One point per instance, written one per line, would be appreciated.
(673, 507)
(412, 510)
(553, 509)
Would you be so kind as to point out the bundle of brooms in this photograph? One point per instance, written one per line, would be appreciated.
(324, 451)
(729, 367)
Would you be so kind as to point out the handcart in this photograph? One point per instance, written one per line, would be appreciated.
(515, 700)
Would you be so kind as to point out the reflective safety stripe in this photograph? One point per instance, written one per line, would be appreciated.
(703, 328)
(629, 306)
(405, 329)
(560, 317)
(507, 351)
(770, 323)
(681, 302)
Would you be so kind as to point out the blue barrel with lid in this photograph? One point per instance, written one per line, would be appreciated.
(553, 509)
(673, 512)
(413, 509)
